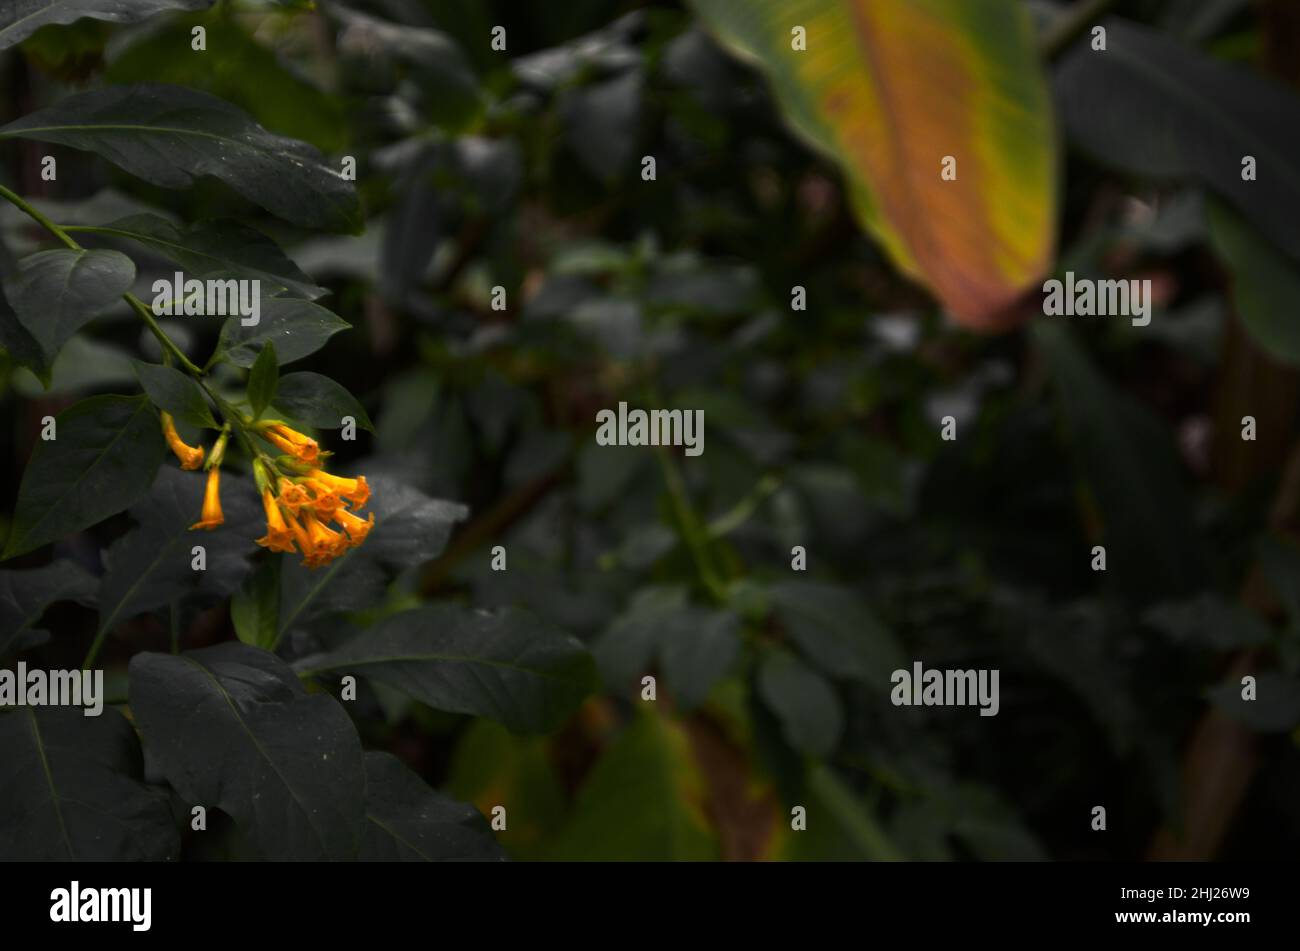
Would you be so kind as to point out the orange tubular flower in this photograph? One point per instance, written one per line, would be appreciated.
(278, 536)
(211, 516)
(191, 457)
(293, 496)
(293, 442)
(304, 541)
(355, 490)
(329, 543)
(356, 528)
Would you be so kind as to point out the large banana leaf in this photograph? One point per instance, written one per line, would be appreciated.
(888, 88)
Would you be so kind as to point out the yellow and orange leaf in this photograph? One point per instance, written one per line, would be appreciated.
(888, 88)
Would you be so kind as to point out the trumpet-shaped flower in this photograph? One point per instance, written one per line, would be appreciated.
(211, 516)
(191, 457)
(278, 535)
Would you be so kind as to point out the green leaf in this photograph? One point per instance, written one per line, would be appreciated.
(244, 72)
(810, 713)
(643, 801)
(262, 379)
(836, 631)
(170, 135)
(215, 249)
(21, 18)
(15, 337)
(857, 94)
(695, 646)
(1184, 115)
(231, 727)
(298, 328)
(505, 666)
(406, 821)
(1132, 468)
(1265, 283)
(318, 401)
(255, 607)
(24, 596)
(71, 787)
(55, 293)
(698, 652)
(410, 528)
(176, 392)
(103, 460)
(152, 565)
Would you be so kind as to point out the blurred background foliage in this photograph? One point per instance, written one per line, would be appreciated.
(523, 169)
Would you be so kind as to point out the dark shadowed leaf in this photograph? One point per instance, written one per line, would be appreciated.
(24, 596)
(170, 135)
(19, 19)
(410, 528)
(104, 459)
(318, 401)
(1157, 107)
(152, 565)
(231, 727)
(71, 788)
(697, 652)
(1132, 468)
(406, 821)
(298, 328)
(810, 713)
(506, 666)
(56, 293)
(176, 392)
(836, 631)
(222, 248)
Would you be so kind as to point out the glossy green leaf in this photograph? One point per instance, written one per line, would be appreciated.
(170, 135)
(103, 460)
(55, 293)
(245, 72)
(231, 727)
(297, 328)
(19, 19)
(888, 90)
(220, 249)
(318, 401)
(506, 666)
(176, 392)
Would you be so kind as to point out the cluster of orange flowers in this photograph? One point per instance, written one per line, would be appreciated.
(300, 498)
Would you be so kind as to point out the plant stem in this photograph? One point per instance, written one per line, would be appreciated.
(693, 531)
